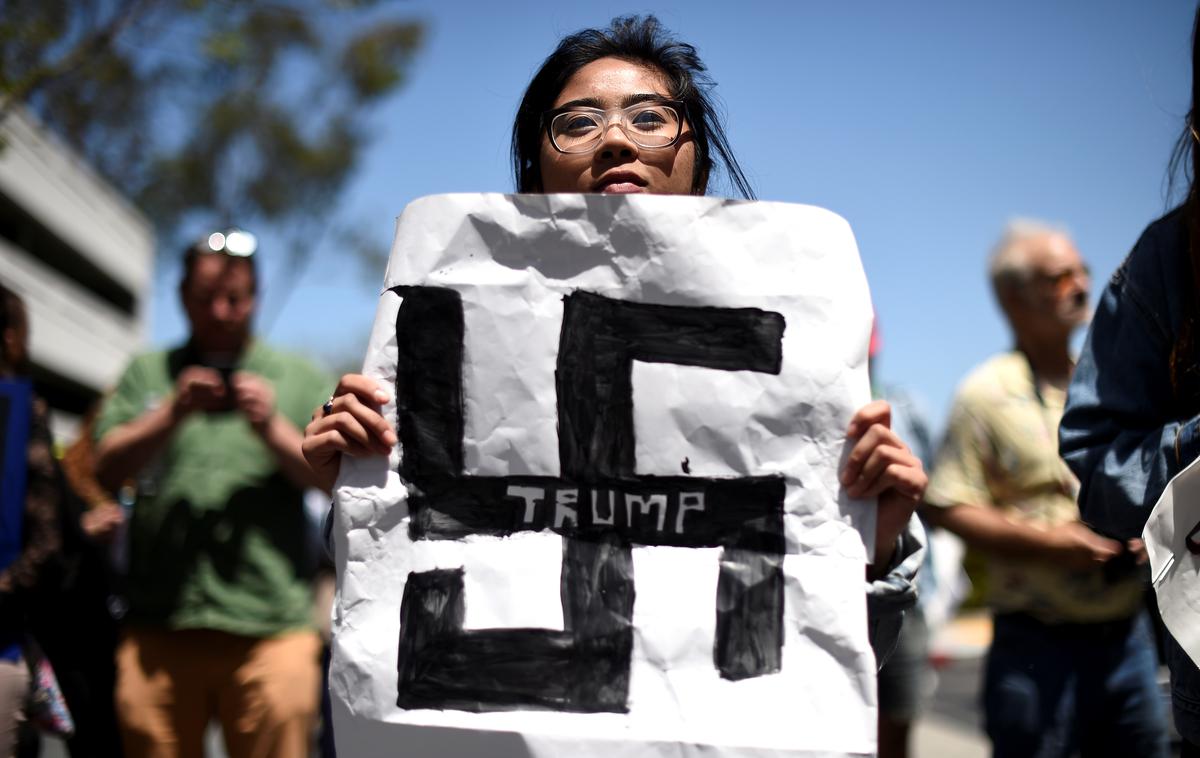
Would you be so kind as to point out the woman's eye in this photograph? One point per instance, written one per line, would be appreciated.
(577, 123)
(652, 118)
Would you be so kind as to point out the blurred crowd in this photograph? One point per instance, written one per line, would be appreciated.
(165, 570)
(170, 571)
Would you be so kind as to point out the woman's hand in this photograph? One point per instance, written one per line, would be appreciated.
(353, 425)
(881, 465)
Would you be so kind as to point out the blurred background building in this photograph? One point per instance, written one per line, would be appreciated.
(82, 258)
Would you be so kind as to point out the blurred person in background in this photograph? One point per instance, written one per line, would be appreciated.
(25, 573)
(1133, 410)
(86, 600)
(103, 517)
(1071, 669)
(219, 620)
(52, 599)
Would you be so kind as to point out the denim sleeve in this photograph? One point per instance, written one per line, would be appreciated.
(890, 596)
(1118, 434)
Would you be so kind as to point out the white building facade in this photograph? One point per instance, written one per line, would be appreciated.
(82, 258)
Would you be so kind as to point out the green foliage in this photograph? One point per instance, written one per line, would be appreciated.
(211, 112)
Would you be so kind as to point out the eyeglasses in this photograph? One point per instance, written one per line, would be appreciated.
(1060, 281)
(233, 242)
(652, 124)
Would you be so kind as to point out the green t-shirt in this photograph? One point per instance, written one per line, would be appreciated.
(218, 535)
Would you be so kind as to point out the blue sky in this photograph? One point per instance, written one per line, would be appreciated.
(927, 125)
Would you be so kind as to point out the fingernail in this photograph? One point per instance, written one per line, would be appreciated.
(381, 396)
(389, 437)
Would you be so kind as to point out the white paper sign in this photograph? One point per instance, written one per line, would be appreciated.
(612, 525)
(1176, 569)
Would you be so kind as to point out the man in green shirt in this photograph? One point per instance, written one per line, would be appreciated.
(218, 624)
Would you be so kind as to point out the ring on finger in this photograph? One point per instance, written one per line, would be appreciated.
(328, 407)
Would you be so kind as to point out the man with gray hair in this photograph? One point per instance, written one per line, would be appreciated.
(1071, 669)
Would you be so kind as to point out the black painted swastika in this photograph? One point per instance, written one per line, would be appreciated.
(599, 504)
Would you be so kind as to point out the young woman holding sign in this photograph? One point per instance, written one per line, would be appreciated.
(625, 110)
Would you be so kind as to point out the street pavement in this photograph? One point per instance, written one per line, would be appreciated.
(951, 725)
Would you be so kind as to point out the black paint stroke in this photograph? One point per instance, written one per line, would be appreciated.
(441, 666)
(1193, 541)
(429, 366)
(599, 505)
(749, 586)
(651, 510)
(600, 340)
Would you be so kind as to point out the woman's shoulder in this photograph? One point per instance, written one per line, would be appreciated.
(1159, 261)
(1152, 289)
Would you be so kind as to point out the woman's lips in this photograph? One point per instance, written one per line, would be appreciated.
(622, 188)
(620, 183)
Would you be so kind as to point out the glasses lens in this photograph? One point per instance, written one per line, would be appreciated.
(653, 125)
(1064, 280)
(216, 242)
(576, 131)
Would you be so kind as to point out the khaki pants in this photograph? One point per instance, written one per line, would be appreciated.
(170, 684)
(14, 686)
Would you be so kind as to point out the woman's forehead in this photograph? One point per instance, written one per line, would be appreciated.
(611, 82)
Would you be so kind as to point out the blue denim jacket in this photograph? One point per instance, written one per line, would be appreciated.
(1126, 431)
(890, 596)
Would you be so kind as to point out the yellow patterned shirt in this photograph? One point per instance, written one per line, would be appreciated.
(1001, 451)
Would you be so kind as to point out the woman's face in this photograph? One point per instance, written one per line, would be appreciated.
(617, 164)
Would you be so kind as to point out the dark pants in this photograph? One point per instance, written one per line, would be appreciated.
(1055, 690)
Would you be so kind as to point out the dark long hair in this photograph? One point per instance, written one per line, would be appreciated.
(640, 39)
(1186, 159)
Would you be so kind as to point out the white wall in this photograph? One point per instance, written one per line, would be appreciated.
(74, 333)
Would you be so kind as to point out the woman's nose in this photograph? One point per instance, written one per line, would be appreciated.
(616, 143)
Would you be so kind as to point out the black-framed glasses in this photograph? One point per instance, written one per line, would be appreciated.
(652, 124)
(235, 242)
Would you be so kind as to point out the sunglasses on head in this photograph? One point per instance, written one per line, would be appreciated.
(233, 242)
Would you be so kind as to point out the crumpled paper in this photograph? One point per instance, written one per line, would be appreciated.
(1174, 569)
(489, 575)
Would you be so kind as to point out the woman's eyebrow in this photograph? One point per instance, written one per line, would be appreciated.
(583, 102)
(648, 97)
(626, 101)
